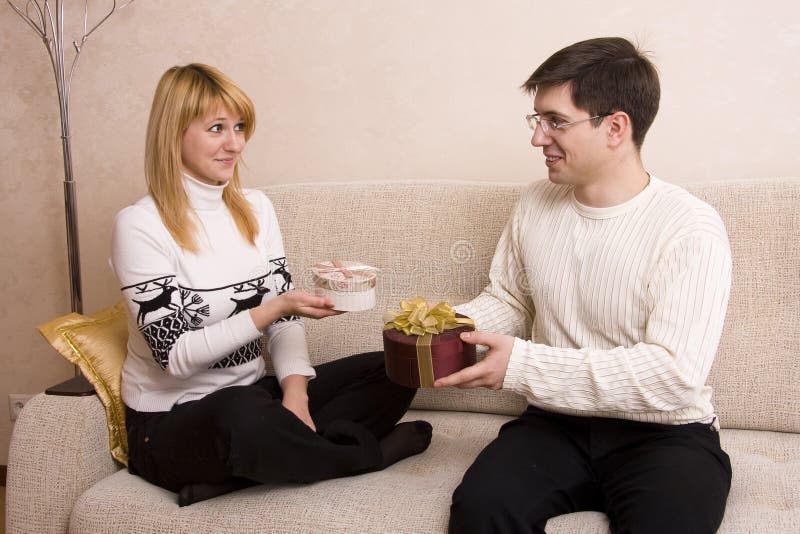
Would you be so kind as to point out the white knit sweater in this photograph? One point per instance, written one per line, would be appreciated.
(189, 330)
(617, 311)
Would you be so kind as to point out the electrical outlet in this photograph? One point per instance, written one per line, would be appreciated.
(15, 403)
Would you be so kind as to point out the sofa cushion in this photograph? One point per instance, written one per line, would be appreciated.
(97, 344)
(765, 495)
(413, 496)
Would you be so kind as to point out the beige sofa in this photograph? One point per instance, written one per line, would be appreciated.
(437, 239)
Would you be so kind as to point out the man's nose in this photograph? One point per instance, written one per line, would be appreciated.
(539, 138)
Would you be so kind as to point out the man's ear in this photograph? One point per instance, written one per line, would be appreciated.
(619, 128)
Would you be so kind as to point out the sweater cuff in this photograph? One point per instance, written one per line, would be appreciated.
(289, 350)
(516, 365)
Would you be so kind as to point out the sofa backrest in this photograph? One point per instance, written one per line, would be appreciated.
(756, 374)
(437, 239)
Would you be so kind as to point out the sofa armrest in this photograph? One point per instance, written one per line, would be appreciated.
(59, 448)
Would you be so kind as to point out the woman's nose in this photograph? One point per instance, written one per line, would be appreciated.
(234, 141)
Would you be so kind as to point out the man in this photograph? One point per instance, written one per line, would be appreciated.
(606, 302)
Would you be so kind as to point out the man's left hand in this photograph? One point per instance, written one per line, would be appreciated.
(491, 370)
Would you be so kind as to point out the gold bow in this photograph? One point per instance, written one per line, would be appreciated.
(414, 318)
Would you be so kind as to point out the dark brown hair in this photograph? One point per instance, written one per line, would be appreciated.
(606, 75)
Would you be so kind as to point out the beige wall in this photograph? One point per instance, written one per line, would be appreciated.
(358, 90)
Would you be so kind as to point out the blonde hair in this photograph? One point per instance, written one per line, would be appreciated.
(184, 94)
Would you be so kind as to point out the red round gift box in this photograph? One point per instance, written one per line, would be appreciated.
(448, 355)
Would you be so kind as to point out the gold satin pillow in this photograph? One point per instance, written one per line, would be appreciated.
(97, 344)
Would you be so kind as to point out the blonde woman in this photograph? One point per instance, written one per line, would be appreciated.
(202, 269)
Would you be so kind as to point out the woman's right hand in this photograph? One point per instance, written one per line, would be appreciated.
(294, 302)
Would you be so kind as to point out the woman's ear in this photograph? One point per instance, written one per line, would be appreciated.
(619, 128)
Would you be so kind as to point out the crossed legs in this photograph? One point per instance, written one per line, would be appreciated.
(240, 435)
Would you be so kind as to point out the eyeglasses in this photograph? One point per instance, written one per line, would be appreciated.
(552, 127)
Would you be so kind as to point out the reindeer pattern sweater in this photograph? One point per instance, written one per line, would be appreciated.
(617, 312)
(189, 330)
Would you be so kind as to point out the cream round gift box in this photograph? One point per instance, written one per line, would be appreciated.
(350, 285)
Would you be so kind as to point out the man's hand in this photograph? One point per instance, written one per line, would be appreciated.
(295, 398)
(491, 370)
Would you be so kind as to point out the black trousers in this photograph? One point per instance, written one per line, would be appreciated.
(647, 478)
(244, 432)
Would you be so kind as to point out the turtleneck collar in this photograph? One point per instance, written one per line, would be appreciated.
(620, 209)
(201, 195)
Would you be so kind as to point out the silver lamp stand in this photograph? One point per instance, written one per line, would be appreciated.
(48, 23)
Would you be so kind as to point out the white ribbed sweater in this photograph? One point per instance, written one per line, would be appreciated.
(617, 311)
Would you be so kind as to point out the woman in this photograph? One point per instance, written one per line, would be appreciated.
(202, 269)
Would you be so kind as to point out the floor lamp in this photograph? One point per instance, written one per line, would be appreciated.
(48, 23)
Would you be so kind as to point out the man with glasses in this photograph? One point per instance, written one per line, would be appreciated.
(605, 307)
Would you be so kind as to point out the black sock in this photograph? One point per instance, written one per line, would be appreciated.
(406, 439)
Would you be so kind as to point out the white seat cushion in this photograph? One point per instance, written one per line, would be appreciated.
(413, 496)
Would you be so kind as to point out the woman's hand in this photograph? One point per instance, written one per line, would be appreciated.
(293, 302)
(295, 398)
(299, 407)
(297, 302)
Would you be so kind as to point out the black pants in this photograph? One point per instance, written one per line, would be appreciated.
(244, 432)
(648, 478)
